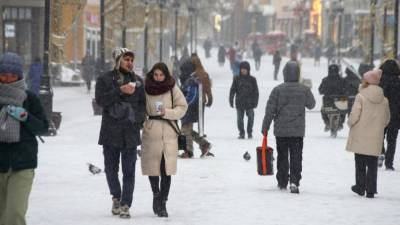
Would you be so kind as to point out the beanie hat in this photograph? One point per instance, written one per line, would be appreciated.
(12, 63)
(373, 76)
(245, 65)
(118, 53)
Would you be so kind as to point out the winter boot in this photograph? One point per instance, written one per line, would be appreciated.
(282, 187)
(205, 150)
(163, 209)
(116, 209)
(357, 190)
(249, 136)
(186, 155)
(156, 203)
(381, 158)
(370, 195)
(125, 212)
(294, 189)
(390, 168)
(241, 136)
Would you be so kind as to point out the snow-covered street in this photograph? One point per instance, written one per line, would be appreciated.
(221, 190)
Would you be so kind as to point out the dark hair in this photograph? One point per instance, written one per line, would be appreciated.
(159, 66)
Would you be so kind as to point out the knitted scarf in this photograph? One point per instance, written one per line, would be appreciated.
(11, 94)
(157, 88)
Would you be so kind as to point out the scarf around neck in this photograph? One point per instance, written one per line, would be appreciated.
(11, 94)
(158, 88)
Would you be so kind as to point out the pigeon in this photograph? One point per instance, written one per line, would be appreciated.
(94, 169)
(246, 156)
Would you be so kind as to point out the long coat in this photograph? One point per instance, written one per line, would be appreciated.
(158, 137)
(367, 121)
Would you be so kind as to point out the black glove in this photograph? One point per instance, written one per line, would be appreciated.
(231, 103)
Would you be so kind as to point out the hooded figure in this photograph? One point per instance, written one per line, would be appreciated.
(286, 107)
(367, 121)
(245, 89)
(22, 117)
(390, 83)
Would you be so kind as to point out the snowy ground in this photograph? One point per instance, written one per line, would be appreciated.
(222, 190)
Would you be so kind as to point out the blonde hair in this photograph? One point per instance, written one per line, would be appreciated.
(364, 83)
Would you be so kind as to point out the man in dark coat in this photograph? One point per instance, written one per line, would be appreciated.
(390, 83)
(276, 60)
(207, 47)
(286, 106)
(245, 91)
(88, 69)
(221, 55)
(257, 53)
(22, 117)
(332, 85)
(121, 94)
(35, 75)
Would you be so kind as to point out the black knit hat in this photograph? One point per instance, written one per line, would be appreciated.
(245, 65)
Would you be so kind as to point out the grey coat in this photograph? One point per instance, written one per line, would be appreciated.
(286, 105)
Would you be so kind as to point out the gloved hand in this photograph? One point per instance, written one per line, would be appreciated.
(209, 102)
(18, 113)
(231, 103)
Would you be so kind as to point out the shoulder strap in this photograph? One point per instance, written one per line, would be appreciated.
(177, 130)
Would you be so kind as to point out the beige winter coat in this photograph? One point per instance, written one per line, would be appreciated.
(368, 118)
(158, 136)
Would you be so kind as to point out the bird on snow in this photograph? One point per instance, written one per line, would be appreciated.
(246, 156)
(94, 169)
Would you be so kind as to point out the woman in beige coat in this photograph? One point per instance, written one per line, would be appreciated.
(368, 118)
(164, 101)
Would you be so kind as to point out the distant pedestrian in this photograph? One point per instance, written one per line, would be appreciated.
(207, 45)
(88, 70)
(221, 55)
(286, 107)
(368, 118)
(257, 53)
(120, 93)
(317, 54)
(22, 118)
(276, 60)
(35, 76)
(165, 104)
(244, 90)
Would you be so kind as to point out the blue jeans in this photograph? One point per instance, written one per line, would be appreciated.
(112, 157)
(250, 121)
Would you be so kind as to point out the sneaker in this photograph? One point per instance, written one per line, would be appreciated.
(391, 168)
(381, 158)
(125, 212)
(241, 136)
(326, 129)
(205, 149)
(250, 136)
(186, 155)
(357, 190)
(282, 187)
(210, 154)
(116, 209)
(294, 189)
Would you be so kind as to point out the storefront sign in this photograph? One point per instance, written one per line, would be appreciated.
(9, 30)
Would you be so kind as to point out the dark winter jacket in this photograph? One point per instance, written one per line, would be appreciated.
(34, 76)
(390, 83)
(352, 83)
(190, 90)
(221, 54)
(245, 89)
(286, 105)
(120, 132)
(332, 85)
(23, 154)
(88, 68)
(276, 59)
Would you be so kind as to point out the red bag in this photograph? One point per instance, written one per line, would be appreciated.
(265, 159)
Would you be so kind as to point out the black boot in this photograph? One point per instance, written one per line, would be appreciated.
(156, 203)
(163, 210)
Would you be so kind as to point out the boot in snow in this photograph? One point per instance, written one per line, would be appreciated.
(125, 212)
(294, 189)
(156, 203)
(381, 158)
(205, 150)
(163, 210)
(116, 209)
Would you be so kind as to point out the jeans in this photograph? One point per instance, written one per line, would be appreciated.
(112, 157)
(289, 147)
(250, 121)
(391, 140)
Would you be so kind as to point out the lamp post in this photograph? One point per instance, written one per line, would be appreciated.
(161, 4)
(123, 22)
(373, 16)
(145, 37)
(102, 40)
(191, 10)
(176, 6)
(254, 9)
(396, 28)
(338, 9)
(46, 93)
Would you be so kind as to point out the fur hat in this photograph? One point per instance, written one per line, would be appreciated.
(12, 63)
(118, 53)
(245, 65)
(373, 76)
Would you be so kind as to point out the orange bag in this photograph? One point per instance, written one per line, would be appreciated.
(265, 159)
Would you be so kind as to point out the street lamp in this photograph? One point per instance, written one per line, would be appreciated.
(46, 92)
(191, 10)
(338, 8)
(176, 6)
(161, 4)
(254, 9)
